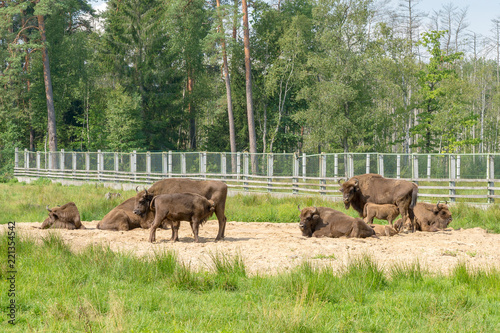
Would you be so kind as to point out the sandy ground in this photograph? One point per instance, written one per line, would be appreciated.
(268, 248)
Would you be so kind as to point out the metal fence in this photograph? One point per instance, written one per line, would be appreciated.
(452, 177)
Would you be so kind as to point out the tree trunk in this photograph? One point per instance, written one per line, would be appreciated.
(232, 131)
(51, 126)
(248, 79)
(192, 121)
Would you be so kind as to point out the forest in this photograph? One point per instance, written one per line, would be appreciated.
(236, 75)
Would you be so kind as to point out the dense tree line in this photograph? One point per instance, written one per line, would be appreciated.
(325, 76)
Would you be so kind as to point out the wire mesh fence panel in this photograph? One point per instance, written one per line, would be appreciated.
(359, 163)
(140, 161)
(496, 161)
(156, 162)
(422, 166)
(440, 166)
(68, 161)
(390, 165)
(473, 166)
(406, 166)
(283, 165)
(193, 162)
(313, 165)
(214, 163)
(108, 161)
(176, 163)
(124, 162)
(232, 163)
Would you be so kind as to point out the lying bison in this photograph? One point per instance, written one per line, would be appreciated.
(383, 230)
(373, 188)
(382, 212)
(211, 189)
(328, 222)
(63, 217)
(122, 218)
(176, 207)
(429, 217)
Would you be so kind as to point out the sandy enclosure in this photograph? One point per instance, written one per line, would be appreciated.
(269, 248)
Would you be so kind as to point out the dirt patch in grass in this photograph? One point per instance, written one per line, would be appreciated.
(269, 248)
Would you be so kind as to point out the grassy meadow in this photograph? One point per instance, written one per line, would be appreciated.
(26, 203)
(99, 290)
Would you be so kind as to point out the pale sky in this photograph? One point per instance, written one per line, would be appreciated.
(479, 13)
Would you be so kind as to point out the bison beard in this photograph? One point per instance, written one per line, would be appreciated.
(373, 188)
(328, 222)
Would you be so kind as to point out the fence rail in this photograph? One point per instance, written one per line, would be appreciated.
(452, 177)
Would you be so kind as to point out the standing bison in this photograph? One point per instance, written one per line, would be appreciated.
(373, 188)
(63, 217)
(177, 207)
(430, 217)
(328, 222)
(211, 189)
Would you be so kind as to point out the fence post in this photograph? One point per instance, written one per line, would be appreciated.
(133, 164)
(245, 171)
(322, 171)
(367, 163)
(16, 157)
(238, 165)
(169, 163)
(458, 166)
(429, 166)
(453, 176)
(381, 165)
(223, 165)
(148, 166)
(38, 164)
(398, 166)
(116, 162)
(100, 165)
(164, 163)
(87, 163)
(350, 158)
(415, 167)
(183, 164)
(336, 165)
(491, 178)
(304, 166)
(295, 178)
(270, 171)
(61, 160)
(50, 160)
(73, 163)
(204, 164)
(26, 159)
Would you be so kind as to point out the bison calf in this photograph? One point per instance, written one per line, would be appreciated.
(328, 222)
(63, 217)
(383, 230)
(178, 207)
(386, 212)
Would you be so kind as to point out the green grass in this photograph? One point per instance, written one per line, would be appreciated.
(98, 290)
(26, 203)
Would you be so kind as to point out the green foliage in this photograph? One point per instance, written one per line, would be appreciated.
(99, 290)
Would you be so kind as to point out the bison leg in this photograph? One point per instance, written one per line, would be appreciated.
(195, 225)
(156, 223)
(175, 230)
(219, 212)
(62, 225)
(403, 209)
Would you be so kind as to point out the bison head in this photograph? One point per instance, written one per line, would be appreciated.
(442, 217)
(142, 201)
(349, 189)
(309, 217)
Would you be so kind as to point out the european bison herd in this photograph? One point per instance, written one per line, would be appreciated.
(168, 202)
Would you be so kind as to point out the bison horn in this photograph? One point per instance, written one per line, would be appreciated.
(146, 190)
(356, 182)
(339, 181)
(437, 205)
(137, 189)
(315, 211)
(47, 208)
(446, 202)
(298, 206)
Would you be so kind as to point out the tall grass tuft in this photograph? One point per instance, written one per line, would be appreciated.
(228, 270)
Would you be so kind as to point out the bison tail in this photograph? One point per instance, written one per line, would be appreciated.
(414, 195)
